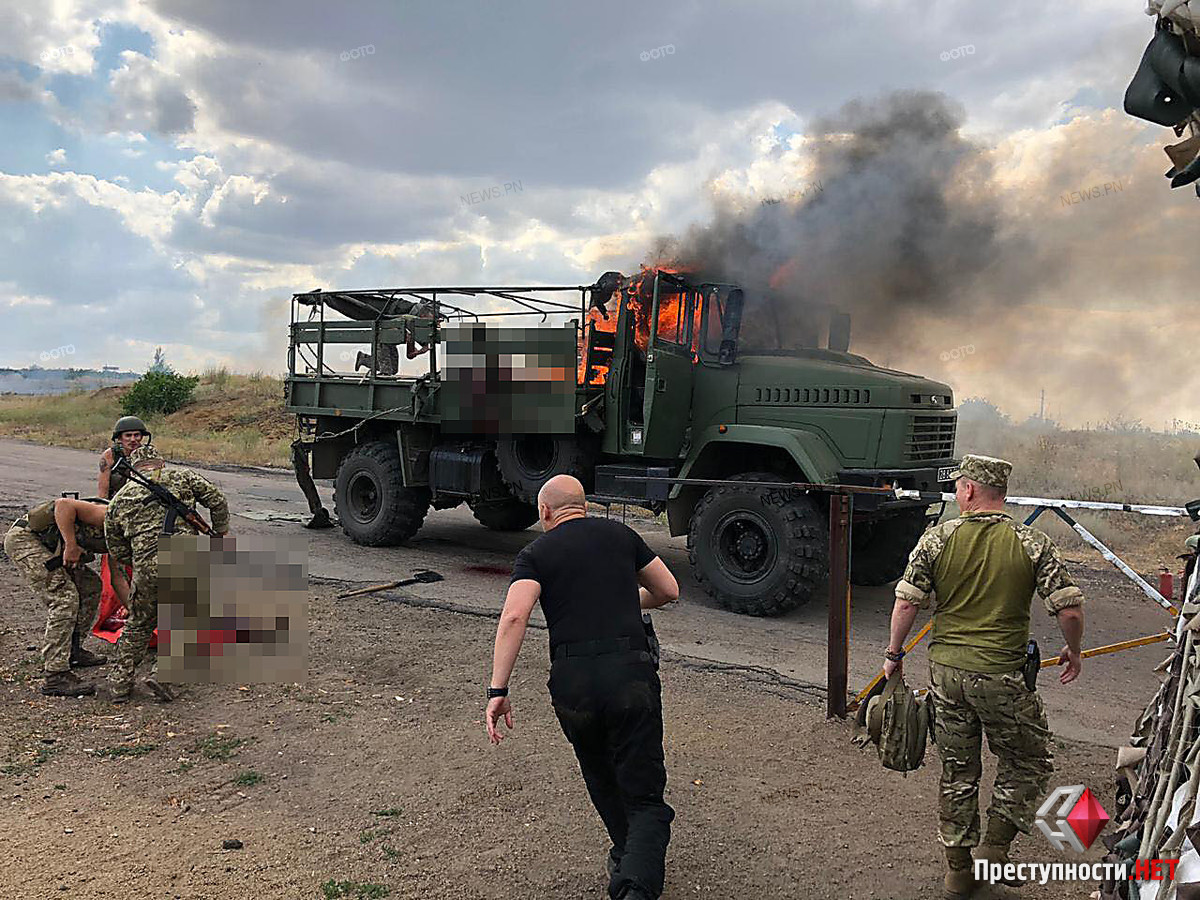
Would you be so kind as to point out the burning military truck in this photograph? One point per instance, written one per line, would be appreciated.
(639, 386)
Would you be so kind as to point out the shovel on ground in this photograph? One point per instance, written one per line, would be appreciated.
(423, 576)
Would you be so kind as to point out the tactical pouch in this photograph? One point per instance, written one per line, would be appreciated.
(1033, 664)
(899, 724)
(41, 517)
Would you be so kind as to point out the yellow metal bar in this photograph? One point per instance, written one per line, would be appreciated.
(878, 678)
(1114, 648)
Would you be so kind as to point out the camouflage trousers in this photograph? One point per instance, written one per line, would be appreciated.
(968, 705)
(139, 628)
(71, 598)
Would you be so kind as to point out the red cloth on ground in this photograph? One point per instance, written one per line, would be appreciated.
(111, 617)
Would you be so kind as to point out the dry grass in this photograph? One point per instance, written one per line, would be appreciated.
(1120, 464)
(235, 419)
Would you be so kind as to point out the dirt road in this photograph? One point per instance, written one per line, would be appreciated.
(375, 779)
(476, 562)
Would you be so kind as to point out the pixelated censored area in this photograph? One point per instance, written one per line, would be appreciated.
(232, 610)
(504, 380)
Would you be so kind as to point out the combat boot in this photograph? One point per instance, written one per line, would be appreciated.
(66, 684)
(960, 878)
(82, 658)
(994, 849)
(160, 689)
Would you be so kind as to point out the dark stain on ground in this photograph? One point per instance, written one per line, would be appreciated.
(489, 570)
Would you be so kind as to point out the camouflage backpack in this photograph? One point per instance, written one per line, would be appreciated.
(898, 724)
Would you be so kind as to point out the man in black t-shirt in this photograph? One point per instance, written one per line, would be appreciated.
(594, 577)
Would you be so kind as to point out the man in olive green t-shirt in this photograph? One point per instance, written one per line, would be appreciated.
(982, 570)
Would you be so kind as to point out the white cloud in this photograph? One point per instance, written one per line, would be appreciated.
(56, 157)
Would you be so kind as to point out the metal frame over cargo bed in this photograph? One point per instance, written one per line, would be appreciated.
(321, 391)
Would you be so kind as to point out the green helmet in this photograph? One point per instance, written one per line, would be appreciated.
(129, 423)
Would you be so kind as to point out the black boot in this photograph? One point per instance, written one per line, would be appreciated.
(81, 658)
(66, 684)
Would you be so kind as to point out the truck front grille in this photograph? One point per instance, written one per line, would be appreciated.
(931, 437)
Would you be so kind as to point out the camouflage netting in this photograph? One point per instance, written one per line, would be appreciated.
(1158, 774)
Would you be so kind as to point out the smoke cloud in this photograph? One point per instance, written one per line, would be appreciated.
(1058, 256)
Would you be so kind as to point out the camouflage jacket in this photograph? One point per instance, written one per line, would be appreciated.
(134, 520)
(1052, 581)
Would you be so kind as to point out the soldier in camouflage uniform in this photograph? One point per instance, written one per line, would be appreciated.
(981, 571)
(132, 527)
(69, 530)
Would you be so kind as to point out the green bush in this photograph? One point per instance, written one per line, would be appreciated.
(158, 392)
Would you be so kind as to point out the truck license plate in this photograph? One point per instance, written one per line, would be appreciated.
(943, 474)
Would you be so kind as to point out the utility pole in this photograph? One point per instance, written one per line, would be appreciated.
(1042, 408)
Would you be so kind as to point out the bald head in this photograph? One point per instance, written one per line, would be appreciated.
(561, 498)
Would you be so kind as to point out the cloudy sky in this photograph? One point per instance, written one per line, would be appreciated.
(171, 171)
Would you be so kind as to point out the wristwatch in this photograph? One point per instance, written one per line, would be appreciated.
(494, 692)
(893, 655)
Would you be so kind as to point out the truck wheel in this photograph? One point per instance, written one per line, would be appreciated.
(526, 461)
(505, 515)
(879, 550)
(758, 552)
(373, 504)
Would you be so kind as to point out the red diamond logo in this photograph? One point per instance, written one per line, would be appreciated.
(1087, 819)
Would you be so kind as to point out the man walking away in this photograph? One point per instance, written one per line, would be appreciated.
(593, 578)
(983, 569)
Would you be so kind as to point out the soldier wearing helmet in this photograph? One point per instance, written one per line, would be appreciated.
(132, 525)
(128, 434)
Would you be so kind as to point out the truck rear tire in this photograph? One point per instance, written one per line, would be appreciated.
(879, 550)
(527, 461)
(758, 553)
(374, 506)
(505, 515)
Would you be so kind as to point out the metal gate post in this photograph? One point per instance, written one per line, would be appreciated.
(837, 676)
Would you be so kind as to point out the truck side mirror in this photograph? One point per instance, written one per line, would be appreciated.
(839, 332)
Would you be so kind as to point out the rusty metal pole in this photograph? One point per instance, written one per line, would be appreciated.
(837, 676)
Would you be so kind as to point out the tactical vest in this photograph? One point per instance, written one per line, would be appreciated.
(42, 524)
(116, 480)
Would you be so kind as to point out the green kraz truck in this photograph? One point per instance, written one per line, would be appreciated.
(631, 384)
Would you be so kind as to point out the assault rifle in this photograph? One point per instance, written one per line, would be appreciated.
(176, 508)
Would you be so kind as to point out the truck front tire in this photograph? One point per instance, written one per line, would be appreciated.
(760, 552)
(879, 552)
(374, 506)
